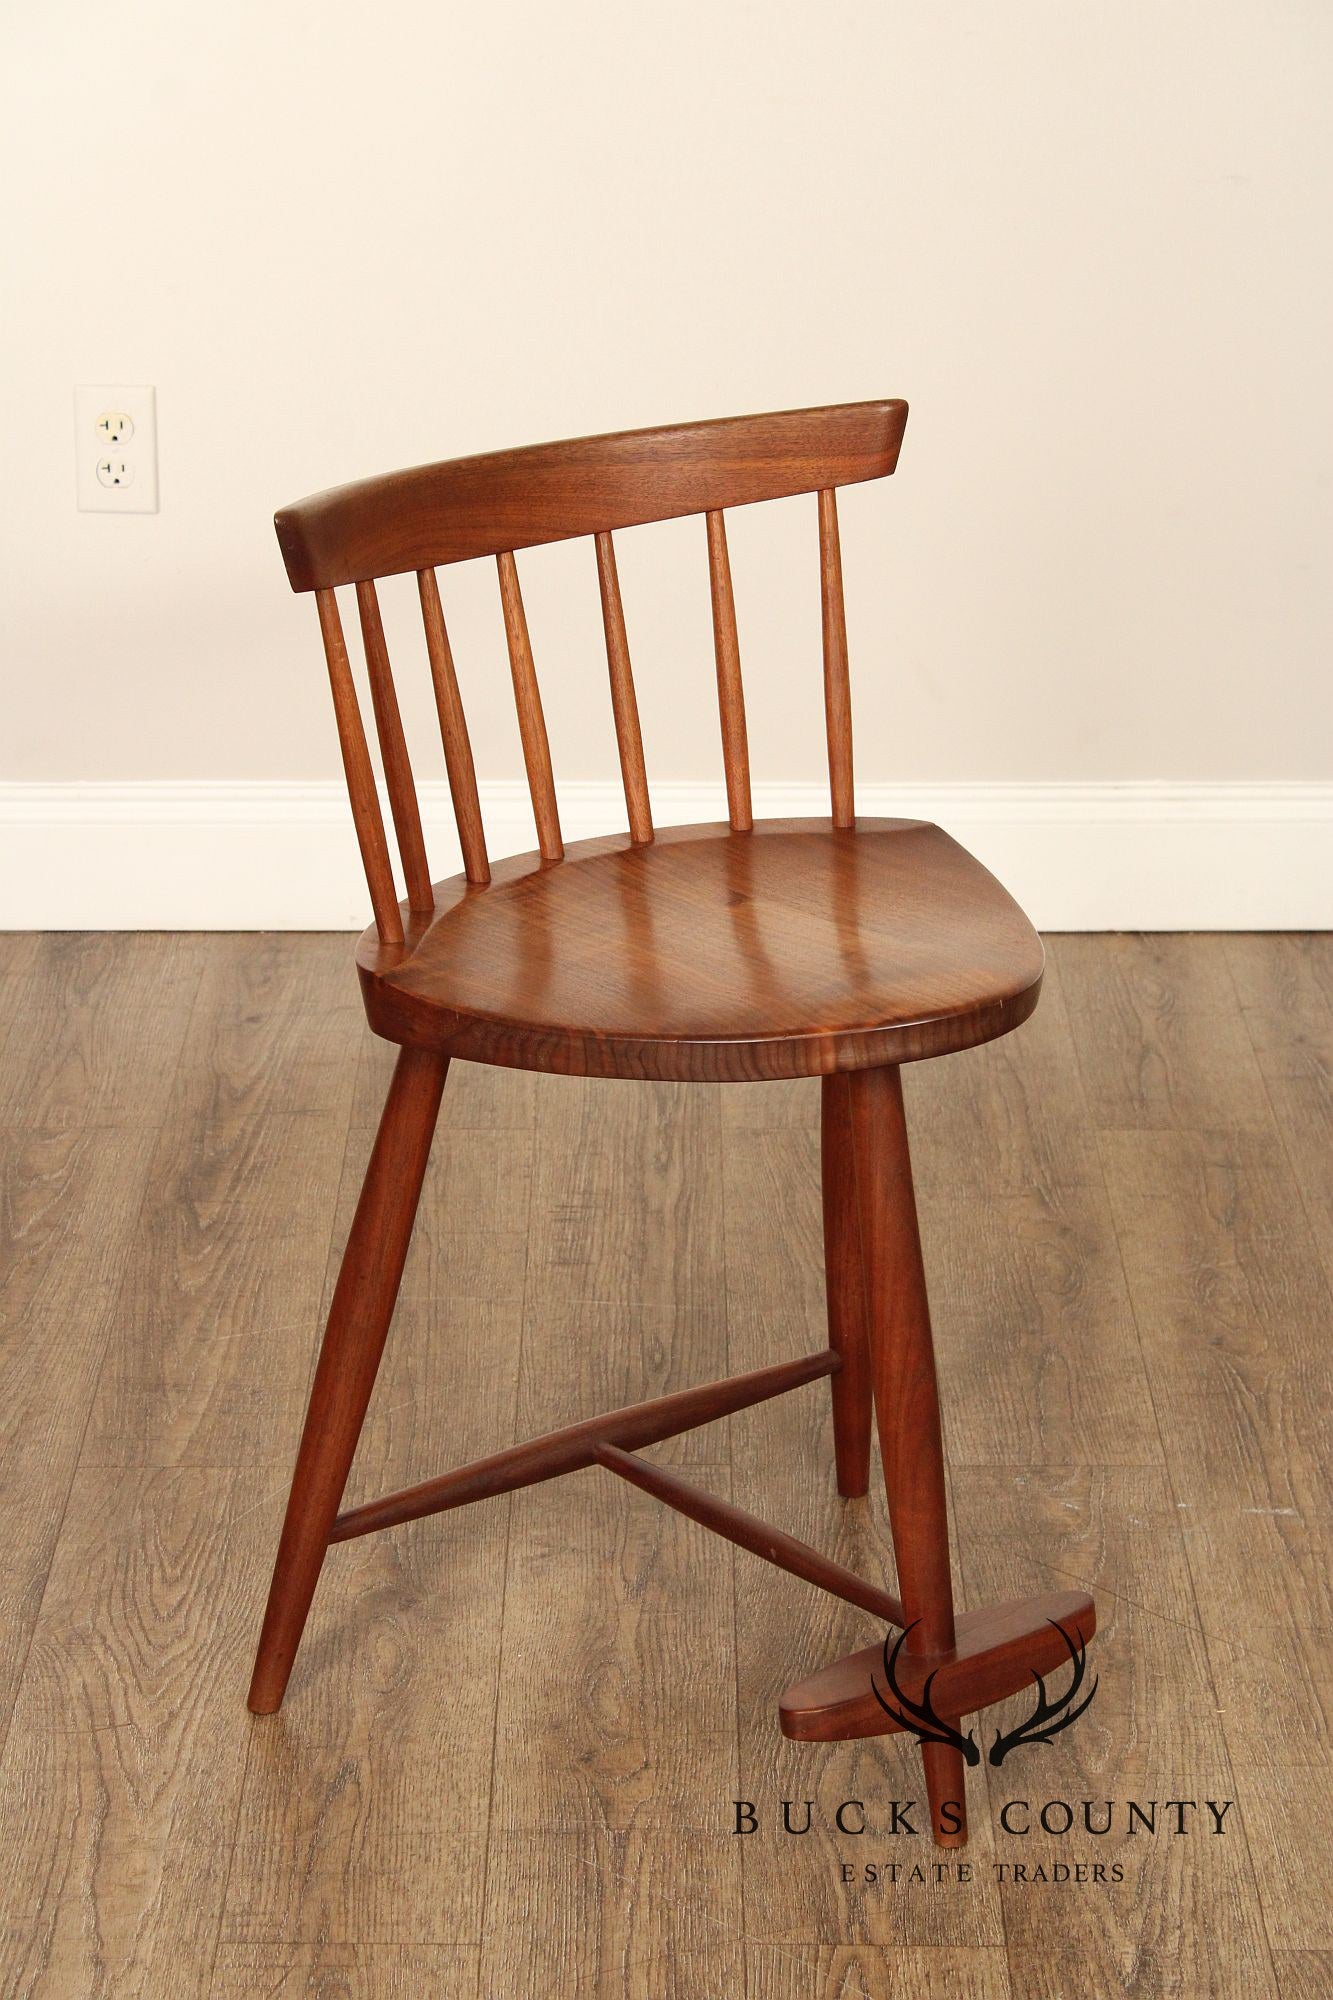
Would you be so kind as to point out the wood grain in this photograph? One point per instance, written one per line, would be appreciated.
(628, 1597)
(660, 1149)
(1113, 1531)
(592, 1783)
(864, 1972)
(784, 1471)
(506, 500)
(349, 1357)
(454, 734)
(122, 1775)
(629, 738)
(72, 1189)
(837, 685)
(393, 752)
(387, 1753)
(531, 721)
(701, 956)
(366, 814)
(19, 953)
(844, 1289)
(1010, 1114)
(1285, 989)
(346, 1972)
(101, 1023)
(1047, 1973)
(730, 693)
(996, 1652)
(907, 1410)
(588, 1912)
(1035, 1315)
(1217, 1250)
(1029, 1284)
(1171, 1051)
(608, 1583)
(1293, 1873)
(706, 957)
(760, 1538)
(1187, 1911)
(138, 1831)
(208, 1359)
(1303, 1975)
(69, 1206)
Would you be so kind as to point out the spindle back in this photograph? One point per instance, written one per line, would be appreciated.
(493, 505)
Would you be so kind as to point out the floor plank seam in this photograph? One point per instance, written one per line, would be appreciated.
(1184, 1546)
(1280, 1126)
(519, 1366)
(273, 1496)
(722, 1141)
(111, 1320)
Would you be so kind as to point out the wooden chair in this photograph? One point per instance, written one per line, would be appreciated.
(838, 948)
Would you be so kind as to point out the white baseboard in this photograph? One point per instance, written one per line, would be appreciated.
(280, 856)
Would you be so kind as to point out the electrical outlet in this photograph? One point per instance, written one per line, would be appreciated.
(115, 426)
(115, 449)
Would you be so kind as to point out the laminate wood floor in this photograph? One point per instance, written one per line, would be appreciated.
(508, 1759)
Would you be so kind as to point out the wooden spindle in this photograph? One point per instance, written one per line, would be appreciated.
(531, 721)
(360, 776)
(393, 752)
(730, 693)
(837, 686)
(453, 730)
(624, 703)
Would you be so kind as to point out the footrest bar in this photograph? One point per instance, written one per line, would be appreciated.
(749, 1532)
(570, 1449)
(997, 1651)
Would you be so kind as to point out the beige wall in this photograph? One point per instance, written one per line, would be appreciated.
(1090, 244)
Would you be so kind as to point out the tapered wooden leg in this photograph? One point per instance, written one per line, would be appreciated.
(349, 1359)
(845, 1288)
(906, 1402)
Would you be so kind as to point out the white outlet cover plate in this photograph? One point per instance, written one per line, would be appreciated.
(139, 451)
